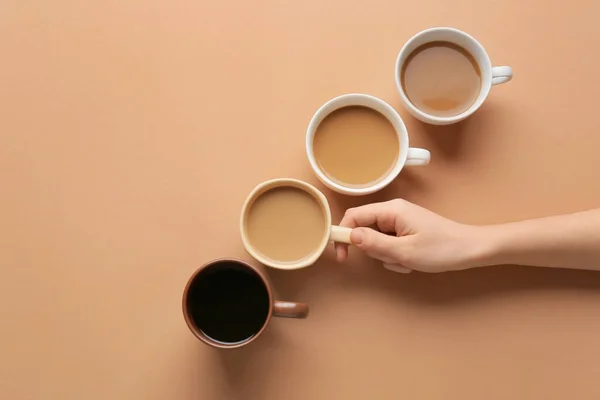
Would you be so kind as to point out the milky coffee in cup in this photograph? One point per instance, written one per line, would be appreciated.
(441, 78)
(285, 223)
(356, 146)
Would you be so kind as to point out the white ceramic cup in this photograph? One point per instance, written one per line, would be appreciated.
(490, 76)
(407, 156)
(331, 233)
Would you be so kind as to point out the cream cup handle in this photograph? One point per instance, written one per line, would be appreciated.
(417, 156)
(340, 234)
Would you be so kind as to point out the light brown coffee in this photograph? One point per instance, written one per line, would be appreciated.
(441, 79)
(356, 146)
(285, 224)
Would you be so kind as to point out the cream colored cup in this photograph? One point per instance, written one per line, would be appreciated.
(331, 233)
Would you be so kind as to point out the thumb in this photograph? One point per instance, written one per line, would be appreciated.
(376, 244)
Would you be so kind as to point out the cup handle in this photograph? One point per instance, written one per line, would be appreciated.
(340, 234)
(417, 156)
(289, 309)
(501, 75)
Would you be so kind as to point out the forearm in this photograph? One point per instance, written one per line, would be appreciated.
(565, 241)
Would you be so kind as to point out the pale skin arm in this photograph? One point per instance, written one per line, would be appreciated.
(419, 239)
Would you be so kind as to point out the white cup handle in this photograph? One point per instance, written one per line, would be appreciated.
(417, 156)
(501, 75)
(340, 234)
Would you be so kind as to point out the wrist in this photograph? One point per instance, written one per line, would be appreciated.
(498, 243)
(484, 244)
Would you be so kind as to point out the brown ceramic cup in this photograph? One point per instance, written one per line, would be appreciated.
(228, 303)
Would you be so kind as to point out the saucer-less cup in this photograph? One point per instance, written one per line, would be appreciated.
(407, 156)
(330, 233)
(490, 75)
(276, 308)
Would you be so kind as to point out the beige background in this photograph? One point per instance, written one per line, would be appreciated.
(132, 130)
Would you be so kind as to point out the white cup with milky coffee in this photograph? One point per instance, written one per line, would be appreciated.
(286, 224)
(444, 75)
(357, 144)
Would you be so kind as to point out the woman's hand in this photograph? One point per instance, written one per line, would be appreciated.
(409, 237)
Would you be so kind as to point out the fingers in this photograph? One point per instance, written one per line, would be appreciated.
(377, 245)
(384, 215)
(341, 251)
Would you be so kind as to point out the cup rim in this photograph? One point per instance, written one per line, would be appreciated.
(286, 182)
(192, 326)
(485, 89)
(365, 100)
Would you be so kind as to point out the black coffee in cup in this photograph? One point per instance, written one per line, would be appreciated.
(228, 302)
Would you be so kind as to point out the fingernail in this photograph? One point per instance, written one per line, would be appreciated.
(357, 236)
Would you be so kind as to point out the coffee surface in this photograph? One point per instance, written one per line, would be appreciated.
(228, 302)
(285, 224)
(441, 79)
(356, 146)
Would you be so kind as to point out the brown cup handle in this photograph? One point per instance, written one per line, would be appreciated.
(288, 309)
